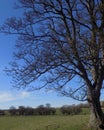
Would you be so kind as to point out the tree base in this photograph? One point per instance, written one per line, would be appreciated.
(96, 127)
(101, 126)
(95, 123)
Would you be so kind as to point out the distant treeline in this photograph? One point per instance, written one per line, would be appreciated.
(45, 110)
(22, 110)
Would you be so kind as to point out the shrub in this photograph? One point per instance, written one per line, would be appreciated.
(2, 112)
(12, 111)
(70, 110)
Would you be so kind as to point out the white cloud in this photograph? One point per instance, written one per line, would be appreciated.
(24, 94)
(6, 96)
(10, 96)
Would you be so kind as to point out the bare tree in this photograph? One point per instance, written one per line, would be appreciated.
(12, 111)
(60, 41)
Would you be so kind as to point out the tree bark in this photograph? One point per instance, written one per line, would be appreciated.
(96, 116)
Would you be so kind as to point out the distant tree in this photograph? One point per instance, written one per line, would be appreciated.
(48, 105)
(70, 110)
(29, 111)
(41, 106)
(41, 110)
(12, 111)
(64, 110)
(60, 41)
(76, 109)
(53, 111)
(84, 105)
(2, 112)
(48, 109)
(21, 110)
(45, 110)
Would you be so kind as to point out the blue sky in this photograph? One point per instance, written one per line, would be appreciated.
(10, 96)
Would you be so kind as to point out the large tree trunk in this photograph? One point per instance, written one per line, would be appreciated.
(96, 116)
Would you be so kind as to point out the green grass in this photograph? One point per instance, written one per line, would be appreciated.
(58, 122)
(85, 111)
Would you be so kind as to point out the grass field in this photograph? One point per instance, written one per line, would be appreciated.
(57, 122)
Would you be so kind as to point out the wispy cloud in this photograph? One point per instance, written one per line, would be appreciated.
(24, 94)
(10, 96)
(4, 97)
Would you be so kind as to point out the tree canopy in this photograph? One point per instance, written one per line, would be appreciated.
(58, 41)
